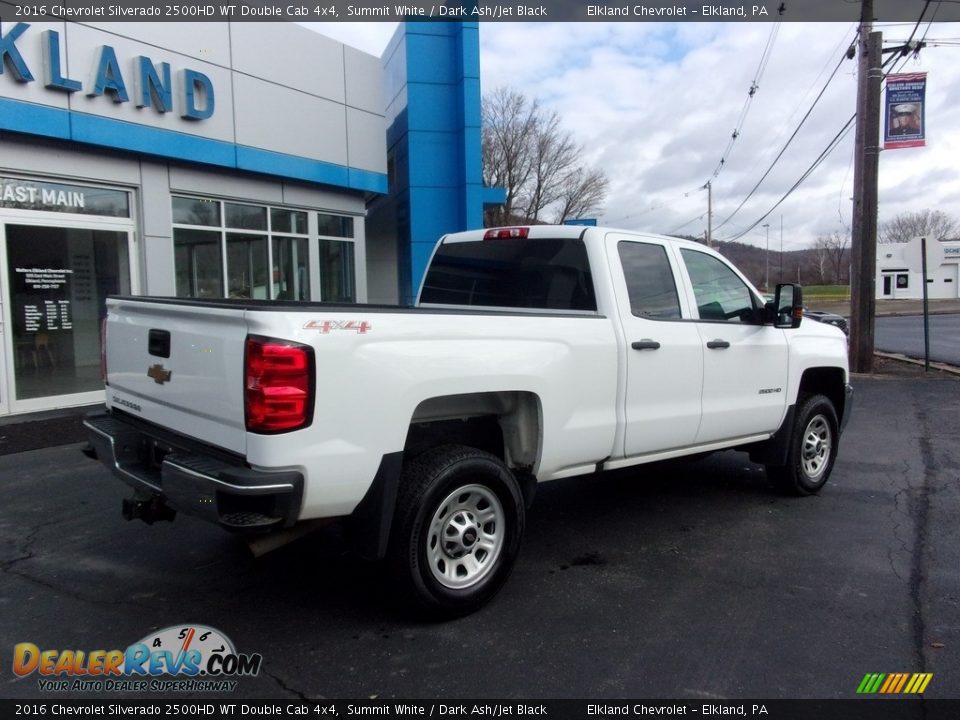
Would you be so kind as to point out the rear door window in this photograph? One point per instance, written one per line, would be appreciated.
(650, 282)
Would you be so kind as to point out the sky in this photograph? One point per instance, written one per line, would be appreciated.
(655, 105)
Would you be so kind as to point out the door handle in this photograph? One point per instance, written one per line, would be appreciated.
(718, 344)
(646, 344)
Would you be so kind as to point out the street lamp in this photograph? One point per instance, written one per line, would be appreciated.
(766, 277)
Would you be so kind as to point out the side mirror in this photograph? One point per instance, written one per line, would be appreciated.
(787, 306)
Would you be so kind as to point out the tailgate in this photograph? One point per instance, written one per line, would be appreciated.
(179, 366)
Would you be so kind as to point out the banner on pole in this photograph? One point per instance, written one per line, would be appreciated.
(905, 117)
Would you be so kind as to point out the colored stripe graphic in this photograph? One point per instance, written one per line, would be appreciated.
(870, 683)
(894, 683)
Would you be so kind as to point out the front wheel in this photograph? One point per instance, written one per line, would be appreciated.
(457, 531)
(813, 448)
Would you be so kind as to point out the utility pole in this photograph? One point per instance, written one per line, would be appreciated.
(781, 250)
(766, 273)
(709, 189)
(863, 246)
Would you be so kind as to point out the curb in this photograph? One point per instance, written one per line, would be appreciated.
(942, 367)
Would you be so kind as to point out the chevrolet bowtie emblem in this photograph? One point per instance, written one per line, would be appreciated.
(159, 375)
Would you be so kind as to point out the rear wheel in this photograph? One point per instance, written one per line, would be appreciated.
(458, 528)
(813, 448)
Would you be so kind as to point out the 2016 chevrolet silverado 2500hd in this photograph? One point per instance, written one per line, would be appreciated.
(533, 353)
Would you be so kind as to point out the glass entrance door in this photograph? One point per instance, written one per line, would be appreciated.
(4, 387)
(56, 282)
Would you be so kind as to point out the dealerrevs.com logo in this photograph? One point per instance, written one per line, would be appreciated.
(180, 658)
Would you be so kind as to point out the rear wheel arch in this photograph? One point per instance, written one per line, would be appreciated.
(507, 424)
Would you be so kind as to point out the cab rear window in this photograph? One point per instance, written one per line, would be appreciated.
(540, 274)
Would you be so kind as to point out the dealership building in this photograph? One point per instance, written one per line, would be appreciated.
(211, 160)
(899, 277)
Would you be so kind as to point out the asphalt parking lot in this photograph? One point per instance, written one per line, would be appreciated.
(689, 580)
(905, 335)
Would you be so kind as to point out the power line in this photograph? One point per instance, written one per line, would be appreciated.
(744, 111)
(831, 146)
(789, 141)
(837, 139)
(680, 227)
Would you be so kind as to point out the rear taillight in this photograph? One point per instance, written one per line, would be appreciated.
(103, 350)
(278, 385)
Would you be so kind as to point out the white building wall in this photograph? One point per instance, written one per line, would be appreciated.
(278, 87)
(896, 281)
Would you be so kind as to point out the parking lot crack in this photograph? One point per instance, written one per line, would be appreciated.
(899, 517)
(6, 566)
(286, 688)
(26, 546)
(71, 592)
(920, 510)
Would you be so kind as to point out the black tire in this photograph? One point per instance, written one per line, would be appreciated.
(457, 530)
(814, 441)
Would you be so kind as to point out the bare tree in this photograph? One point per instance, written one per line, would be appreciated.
(821, 251)
(933, 224)
(838, 256)
(581, 193)
(509, 123)
(527, 152)
(830, 252)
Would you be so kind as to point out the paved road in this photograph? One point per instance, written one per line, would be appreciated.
(692, 580)
(905, 335)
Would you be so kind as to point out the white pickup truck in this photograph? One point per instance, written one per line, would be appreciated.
(534, 353)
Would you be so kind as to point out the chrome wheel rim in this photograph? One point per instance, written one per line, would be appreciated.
(817, 443)
(465, 537)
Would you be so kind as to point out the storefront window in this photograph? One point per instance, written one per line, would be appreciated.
(189, 211)
(59, 278)
(288, 221)
(337, 271)
(291, 275)
(58, 197)
(340, 226)
(198, 262)
(247, 266)
(267, 250)
(246, 217)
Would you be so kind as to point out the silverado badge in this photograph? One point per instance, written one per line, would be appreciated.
(159, 375)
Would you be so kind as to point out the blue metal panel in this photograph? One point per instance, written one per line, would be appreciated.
(434, 143)
(432, 63)
(433, 107)
(437, 157)
(37, 119)
(150, 141)
(494, 195)
(367, 180)
(274, 163)
(429, 27)
(470, 57)
(420, 253)
(17, 116)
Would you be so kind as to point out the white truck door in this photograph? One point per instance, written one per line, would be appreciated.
(745, 362)
(664, 354)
